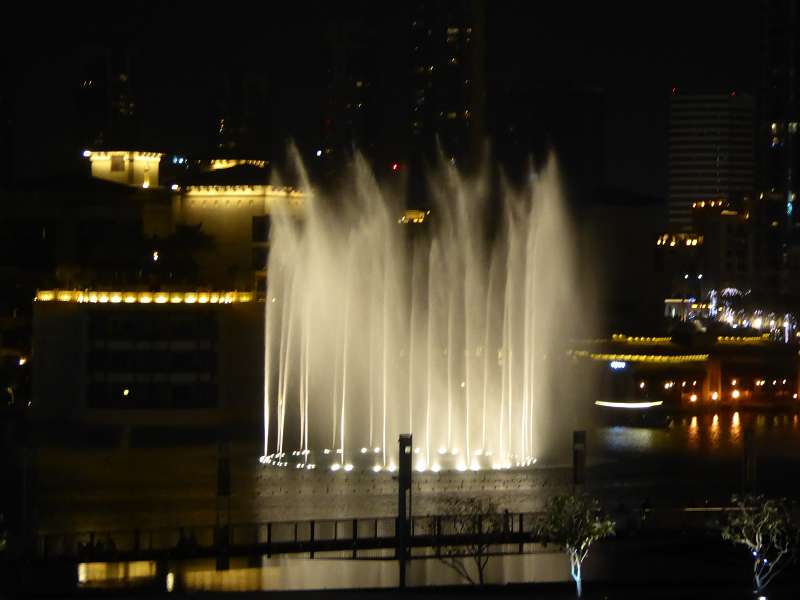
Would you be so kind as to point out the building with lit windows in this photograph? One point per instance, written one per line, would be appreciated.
(133, 360)
(779, 106)
(448, 63)
(696, 371)
(710, 151)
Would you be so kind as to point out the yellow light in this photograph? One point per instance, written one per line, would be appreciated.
(22, 360)
(693, 398)
(645, 358)
(714, 395)
(132, 297)
(170, 581)
(733, 382)
(735, 393)
(82, 573)
(126, 392)
(155, 256)
(146, 184)
(641, 385)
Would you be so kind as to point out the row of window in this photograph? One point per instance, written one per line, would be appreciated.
(152, 361)
(151, 396)
(137, 325)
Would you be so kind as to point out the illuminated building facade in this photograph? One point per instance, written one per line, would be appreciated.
(142, 359)
(126, 167)
(710, 152)
(640, 372)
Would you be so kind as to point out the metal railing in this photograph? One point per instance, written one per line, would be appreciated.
(360, 538)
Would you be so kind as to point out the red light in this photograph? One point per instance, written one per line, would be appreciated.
(733, 93)
(395, 166)
(674, 90)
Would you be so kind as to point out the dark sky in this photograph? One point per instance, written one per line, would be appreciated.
(633, 52)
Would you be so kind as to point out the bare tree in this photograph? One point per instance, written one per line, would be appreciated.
(475, 519)
(765, 527)
(575, 522)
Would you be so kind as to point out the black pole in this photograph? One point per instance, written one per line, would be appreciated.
(578, 457)
(403, 504)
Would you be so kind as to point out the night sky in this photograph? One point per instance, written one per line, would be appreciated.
(633, 52)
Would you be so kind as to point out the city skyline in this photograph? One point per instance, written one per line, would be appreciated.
(611, 51)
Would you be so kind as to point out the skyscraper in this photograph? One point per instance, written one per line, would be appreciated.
(106, 99)
(777, 141)
(710, 151)
(448, 64)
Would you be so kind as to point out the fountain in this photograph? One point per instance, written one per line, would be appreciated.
(452, 329)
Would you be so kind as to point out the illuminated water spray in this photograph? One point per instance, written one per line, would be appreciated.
(450, 329)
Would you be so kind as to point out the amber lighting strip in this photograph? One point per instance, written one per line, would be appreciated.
(644, 358)
(104, 297)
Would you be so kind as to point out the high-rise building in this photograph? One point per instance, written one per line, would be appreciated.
(779, 106)
(240, 113)
(710, 151)
(106, 100)
(448, 72)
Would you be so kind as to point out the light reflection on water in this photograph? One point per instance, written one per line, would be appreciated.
(704, 434)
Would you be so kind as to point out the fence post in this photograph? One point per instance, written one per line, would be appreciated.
(403, 505)
(355, 538)
(311, 541)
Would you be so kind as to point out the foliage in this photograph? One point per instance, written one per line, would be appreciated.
(765, 527)
(575, 522)
(469, 517)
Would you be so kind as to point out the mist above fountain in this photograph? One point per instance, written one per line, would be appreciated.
(452, 331)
